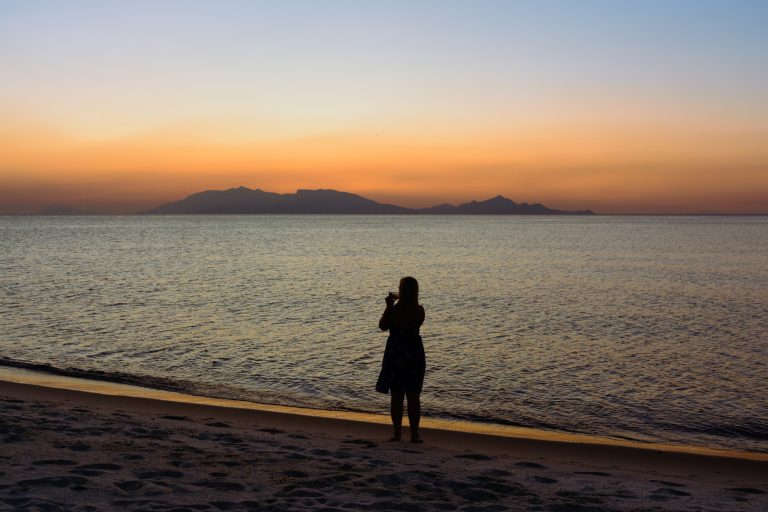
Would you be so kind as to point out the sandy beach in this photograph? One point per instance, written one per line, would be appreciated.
(62, 449)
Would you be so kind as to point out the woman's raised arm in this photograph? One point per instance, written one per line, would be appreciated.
(385, 320)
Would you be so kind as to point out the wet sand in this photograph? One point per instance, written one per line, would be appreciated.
(63, 449)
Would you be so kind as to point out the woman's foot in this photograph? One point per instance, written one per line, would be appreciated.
(397, 436)
(416, 438)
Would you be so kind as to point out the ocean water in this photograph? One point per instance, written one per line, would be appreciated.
(643, 328)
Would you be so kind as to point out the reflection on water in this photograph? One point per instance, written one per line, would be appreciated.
(649, 328)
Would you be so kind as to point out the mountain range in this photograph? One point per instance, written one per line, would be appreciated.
(245, 200)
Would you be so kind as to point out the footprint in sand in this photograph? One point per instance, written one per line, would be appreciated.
(129, 485)
(131, 503)
(325, 482)
(359, 441)
(474, 456)
(567, 507)
(107, 466)
(584, 502)
(668, 484)
(17, 502)
(54, 462)
(391, 480)
(225, 505)
(172, 417)
(507, 489)
(53, 481)
(623, 494)
(746, 490)
(13, 438)
(87, 472)
(218, 424)
(532, 465)
(396, 505)
(664, 493)
(229, 463)
(161, 473)
(219, 485)
(475, 494)
(496, 472)
(595, 473)
(301, 493)
(272, 431)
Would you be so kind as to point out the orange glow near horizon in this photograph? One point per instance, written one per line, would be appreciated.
(618, 169)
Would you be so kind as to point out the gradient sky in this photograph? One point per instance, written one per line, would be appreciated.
(617, 106)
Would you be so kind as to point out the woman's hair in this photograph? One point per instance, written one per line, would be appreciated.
(409, 291)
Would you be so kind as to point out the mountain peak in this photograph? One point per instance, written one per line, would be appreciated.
(499, 200)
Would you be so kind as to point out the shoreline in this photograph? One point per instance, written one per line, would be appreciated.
(593, 214)
(63, 448)
(512, 434)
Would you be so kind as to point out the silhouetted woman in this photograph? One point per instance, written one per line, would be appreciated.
(402, 370)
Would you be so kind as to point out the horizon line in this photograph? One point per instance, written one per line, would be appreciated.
(85, 211)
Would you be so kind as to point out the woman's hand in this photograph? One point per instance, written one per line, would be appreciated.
(390, 300)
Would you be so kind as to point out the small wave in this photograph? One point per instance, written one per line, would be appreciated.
(754, 430)
(175, 385)
(145, 381)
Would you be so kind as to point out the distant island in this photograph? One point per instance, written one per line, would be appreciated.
(244, 200)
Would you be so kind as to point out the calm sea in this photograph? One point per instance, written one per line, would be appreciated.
(647, 328)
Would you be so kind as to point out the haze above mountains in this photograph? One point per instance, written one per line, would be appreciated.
(244, 200)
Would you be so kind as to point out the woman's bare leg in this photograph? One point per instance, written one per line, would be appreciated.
(414, 416)
(396, 412)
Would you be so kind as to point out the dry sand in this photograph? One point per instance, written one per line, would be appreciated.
(70, 450)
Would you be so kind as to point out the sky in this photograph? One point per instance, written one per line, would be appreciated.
(647, 106)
